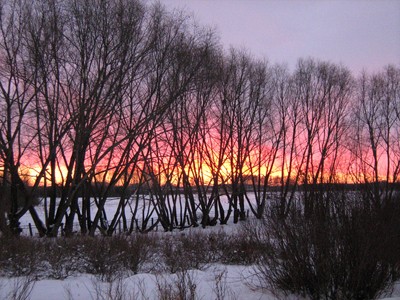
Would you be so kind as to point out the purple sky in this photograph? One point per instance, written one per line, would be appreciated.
(358, 33)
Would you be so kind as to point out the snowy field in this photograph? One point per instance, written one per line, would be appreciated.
(111, 207)
(233, 285)
(214, 281)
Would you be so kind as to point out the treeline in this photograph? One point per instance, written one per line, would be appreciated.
(103, 94)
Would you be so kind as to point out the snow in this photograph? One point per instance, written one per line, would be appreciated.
(111, 207)
(235, 280)
(234, 284)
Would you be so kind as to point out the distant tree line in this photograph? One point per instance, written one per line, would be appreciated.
(103, 94)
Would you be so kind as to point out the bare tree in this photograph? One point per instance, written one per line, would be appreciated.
(175, 142)
(16, 98)
(375, 148)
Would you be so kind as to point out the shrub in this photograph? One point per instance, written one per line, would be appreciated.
(340, 250)
(140, 250)
(108, 257)
(238, 249)
(185, 251)
(64, 257)
(20, 256)
(19, 288)
(183, 287)
(104, 256)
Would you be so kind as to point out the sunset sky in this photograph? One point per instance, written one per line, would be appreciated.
(357, 33)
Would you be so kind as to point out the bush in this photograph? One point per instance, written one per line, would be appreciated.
(341, 250)
(105, 256)
(64, 257)
(108, 257)
(140, 250)
(183, 287)
(196, 250)
(186, 251)
(238, 249)
(20, 256)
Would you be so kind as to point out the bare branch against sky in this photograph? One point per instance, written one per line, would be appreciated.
(361, 34)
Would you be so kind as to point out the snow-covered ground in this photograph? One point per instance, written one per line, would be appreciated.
(110, 208)
(226, 282)
(215, 282)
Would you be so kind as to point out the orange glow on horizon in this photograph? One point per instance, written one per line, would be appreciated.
(30, 174)
(204, 170)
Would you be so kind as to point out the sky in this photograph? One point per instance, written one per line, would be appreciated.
(360, 34)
